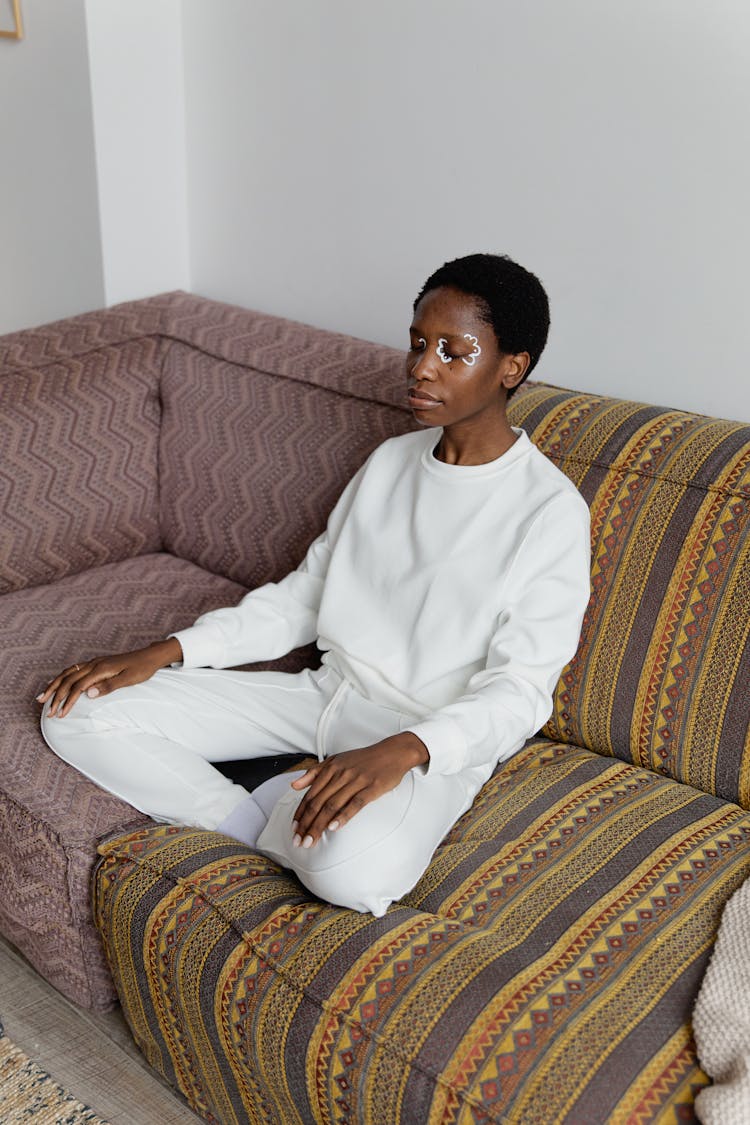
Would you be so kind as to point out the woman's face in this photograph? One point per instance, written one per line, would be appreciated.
(455, 370)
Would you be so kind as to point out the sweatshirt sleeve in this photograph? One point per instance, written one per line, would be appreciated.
(272, 619)
(536, 634)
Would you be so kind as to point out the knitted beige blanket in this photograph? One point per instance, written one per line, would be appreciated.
(721, 1020)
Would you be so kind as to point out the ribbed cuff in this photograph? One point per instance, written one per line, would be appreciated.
(201, 647)
(445, 742)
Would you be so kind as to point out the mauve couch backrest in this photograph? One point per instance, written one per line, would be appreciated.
(79, 426)
(662, 673)
(264, 422)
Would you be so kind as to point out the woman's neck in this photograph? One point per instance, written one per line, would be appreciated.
(464, 446)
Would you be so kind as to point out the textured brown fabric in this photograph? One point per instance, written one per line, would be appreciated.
(289, 349)
(79, 464)
(76, 336)
(50, 815)
(251, 463)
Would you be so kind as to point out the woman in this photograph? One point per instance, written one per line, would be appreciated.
(446, 593)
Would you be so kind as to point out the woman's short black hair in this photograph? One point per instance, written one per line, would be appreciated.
(510, 298)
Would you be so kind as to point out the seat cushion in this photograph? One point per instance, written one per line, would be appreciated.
(543, 969)
(50, 815)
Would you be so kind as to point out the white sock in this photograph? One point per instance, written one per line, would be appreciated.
(267, 794)
(245, 822)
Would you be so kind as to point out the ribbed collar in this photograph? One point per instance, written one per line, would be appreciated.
(520, 448)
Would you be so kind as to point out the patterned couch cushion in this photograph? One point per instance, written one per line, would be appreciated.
(264, 423)
(76, 336)
(50, 815)
(79, 467)
(662, 673)
(542, 970)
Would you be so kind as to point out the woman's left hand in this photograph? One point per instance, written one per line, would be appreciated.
(344, 783)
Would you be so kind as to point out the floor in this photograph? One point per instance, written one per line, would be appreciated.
(89, 1053)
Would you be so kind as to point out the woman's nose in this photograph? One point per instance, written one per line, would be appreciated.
(425, 364)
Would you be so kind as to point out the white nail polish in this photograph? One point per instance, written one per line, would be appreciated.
(92, 692)
(307, 842)
(333, 826)
(297, 839)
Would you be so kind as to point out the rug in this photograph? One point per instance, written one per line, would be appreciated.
(28, 1094)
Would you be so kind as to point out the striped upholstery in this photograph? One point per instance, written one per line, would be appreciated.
(662, 674)
(543, 970)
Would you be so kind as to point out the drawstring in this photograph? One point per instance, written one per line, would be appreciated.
(326, 717)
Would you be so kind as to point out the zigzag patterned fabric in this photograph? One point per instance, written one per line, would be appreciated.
(77, 336)
(253, 460)
(542, 971)
(662, 673)
(51, 816)
(265, 420)
(79, 483)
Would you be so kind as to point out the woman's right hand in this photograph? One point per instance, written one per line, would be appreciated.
(106, 673)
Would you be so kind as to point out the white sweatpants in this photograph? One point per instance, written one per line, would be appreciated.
(152, 744)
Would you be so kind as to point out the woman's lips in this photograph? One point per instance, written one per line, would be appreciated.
(422, 402)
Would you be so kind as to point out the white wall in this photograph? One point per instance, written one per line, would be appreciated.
(50, 252)
(339, 150)
(135, 49)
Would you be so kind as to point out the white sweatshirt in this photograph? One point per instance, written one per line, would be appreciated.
(450, 593)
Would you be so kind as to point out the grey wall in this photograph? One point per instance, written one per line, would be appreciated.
(50, 247)
(339, 150)
(135, 54)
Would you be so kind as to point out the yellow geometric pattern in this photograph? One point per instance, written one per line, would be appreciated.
(571, 915)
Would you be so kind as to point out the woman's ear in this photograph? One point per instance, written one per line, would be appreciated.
(514, 369)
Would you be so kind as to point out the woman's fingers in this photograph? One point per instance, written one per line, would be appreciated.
(59, 689)
(94, 679)
(326, 780)
(53, 685)
(335, 814)
(335, 802)
(105, 673)
(342, 785)
(73, 690)
(306, 779)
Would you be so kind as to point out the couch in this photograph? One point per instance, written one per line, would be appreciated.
(162, 457)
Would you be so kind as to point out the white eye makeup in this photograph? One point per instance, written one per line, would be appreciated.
(476, 350)
(441, 350)
(469, 359)
(444, 357)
